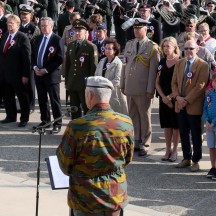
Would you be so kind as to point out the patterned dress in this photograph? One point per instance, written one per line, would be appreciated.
(93, 152)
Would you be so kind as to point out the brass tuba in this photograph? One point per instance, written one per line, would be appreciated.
(168, 16)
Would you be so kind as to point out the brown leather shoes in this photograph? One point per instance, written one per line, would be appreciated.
(183, 164)
(195, 167)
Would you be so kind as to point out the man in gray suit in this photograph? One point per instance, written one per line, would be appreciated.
(138, 82)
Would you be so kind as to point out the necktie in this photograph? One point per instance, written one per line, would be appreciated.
(185, 78)
(7, 44)
(40, 54)
(137, 46)
(77, 47)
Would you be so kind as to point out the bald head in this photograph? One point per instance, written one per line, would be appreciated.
(191, 48)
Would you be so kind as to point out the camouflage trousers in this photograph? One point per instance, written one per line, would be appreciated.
(107, 213)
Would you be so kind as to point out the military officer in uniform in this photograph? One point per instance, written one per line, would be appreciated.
(81, 62)
(31, 31)
(97, 186)
(138, 82)
(101, 31)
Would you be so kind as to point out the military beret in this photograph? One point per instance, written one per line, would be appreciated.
(101, 26)
(139, 23)
(24, 8)
(79, 23)
(211, 2)
(99, 82)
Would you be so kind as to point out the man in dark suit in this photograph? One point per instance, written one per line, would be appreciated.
(81, 62)
(101, 36)
(189, 82)
(154, 32)
(63, 19)
(3, 29)
(15, 61)
(48, 54)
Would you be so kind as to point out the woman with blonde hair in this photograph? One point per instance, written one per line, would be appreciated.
(167, 115)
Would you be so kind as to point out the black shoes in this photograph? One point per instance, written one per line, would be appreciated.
(22, 124)
(142, 152)
(7, 120)
(41, 124)
(56, 129)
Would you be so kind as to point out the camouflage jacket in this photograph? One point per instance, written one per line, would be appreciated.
(93, 152)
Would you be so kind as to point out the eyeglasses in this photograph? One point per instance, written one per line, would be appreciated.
(203, 30)
(189, 48)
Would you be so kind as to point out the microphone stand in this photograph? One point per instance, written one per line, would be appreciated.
(42, 131)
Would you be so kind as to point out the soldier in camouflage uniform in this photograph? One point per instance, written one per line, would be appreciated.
(94, 151)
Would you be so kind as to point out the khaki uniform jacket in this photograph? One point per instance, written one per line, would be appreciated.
(194, 90)
(80, 65)
(137, 79)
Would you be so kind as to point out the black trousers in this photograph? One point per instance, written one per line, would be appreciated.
(32, 91)
(53, 90)
(190, 124)
(77, 98)
(22, 92)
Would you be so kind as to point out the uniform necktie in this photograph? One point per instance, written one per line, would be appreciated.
(7, 44)
(185, 78)
(77, 47)
(40, 54)
(137, 46)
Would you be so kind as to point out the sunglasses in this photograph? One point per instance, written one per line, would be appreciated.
(189, 48)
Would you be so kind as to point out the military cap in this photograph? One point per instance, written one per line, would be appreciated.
(101, 26)
(145, 7)
(24, 8)
(211, 2)
(70, 3)
(99, 82)
(139, 23)
(79, 23)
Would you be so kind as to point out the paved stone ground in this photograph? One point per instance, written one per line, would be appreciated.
(152, 184)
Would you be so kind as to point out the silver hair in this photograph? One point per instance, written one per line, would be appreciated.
(49, 19)
(100, 93)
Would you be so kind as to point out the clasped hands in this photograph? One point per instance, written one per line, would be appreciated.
(182, 103)
(40, 72)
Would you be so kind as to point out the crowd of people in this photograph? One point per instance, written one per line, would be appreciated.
(168, 50)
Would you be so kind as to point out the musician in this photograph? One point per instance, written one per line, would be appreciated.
(118, 20)
(40, 8)
(63, 19)
(205, 38)
(99, 42)
(190, 25)
(168, 29)
(131, 11)
(138, 83)
(154, 28)
(210, 18)
(31, 31)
